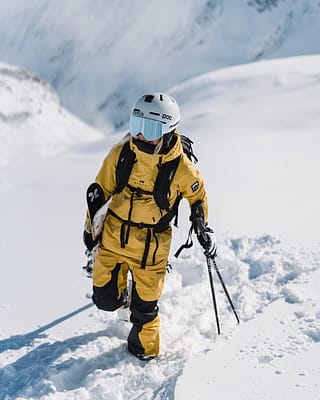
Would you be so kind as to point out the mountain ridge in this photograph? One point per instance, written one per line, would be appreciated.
(33, 123)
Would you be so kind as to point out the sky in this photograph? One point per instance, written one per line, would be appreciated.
(256, 135)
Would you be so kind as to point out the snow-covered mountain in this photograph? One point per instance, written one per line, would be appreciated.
(33, 124)
(100, 56)
(256, 134)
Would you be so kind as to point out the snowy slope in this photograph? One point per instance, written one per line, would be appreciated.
(259, 127)
(33, 124)
(100, 57)
(273, 356)
(256, 134)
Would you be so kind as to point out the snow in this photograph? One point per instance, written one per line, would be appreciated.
(273, 356)
(255, 130)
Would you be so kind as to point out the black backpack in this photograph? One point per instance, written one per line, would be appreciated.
(165, 176)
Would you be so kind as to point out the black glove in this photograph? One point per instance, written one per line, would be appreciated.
(88, 241)
(205, 235)
(208, 241)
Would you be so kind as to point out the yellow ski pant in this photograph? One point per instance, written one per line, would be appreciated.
(110, 272)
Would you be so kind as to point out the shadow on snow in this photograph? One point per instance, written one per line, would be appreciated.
(18, 341)
(43, 369)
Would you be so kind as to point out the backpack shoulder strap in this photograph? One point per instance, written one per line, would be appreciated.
(167, 172)
(163, 182)
(125, 163)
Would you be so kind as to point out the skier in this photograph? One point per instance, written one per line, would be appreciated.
(143, 178)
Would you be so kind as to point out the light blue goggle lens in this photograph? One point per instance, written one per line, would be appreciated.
(150, 128)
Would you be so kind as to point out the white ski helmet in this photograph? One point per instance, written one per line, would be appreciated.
(153, 115)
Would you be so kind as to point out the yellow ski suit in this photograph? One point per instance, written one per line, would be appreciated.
(138, 246)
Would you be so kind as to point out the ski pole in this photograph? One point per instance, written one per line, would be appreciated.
(224, 287)
(213, 293)
(225, 291)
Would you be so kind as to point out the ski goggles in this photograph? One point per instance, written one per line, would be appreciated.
(150, 128)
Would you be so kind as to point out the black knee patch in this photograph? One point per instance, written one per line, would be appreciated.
(106, 297)
(142, 311)
(140, 318)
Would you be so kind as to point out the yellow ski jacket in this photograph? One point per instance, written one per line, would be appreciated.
(140, 228)
(143, 208)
